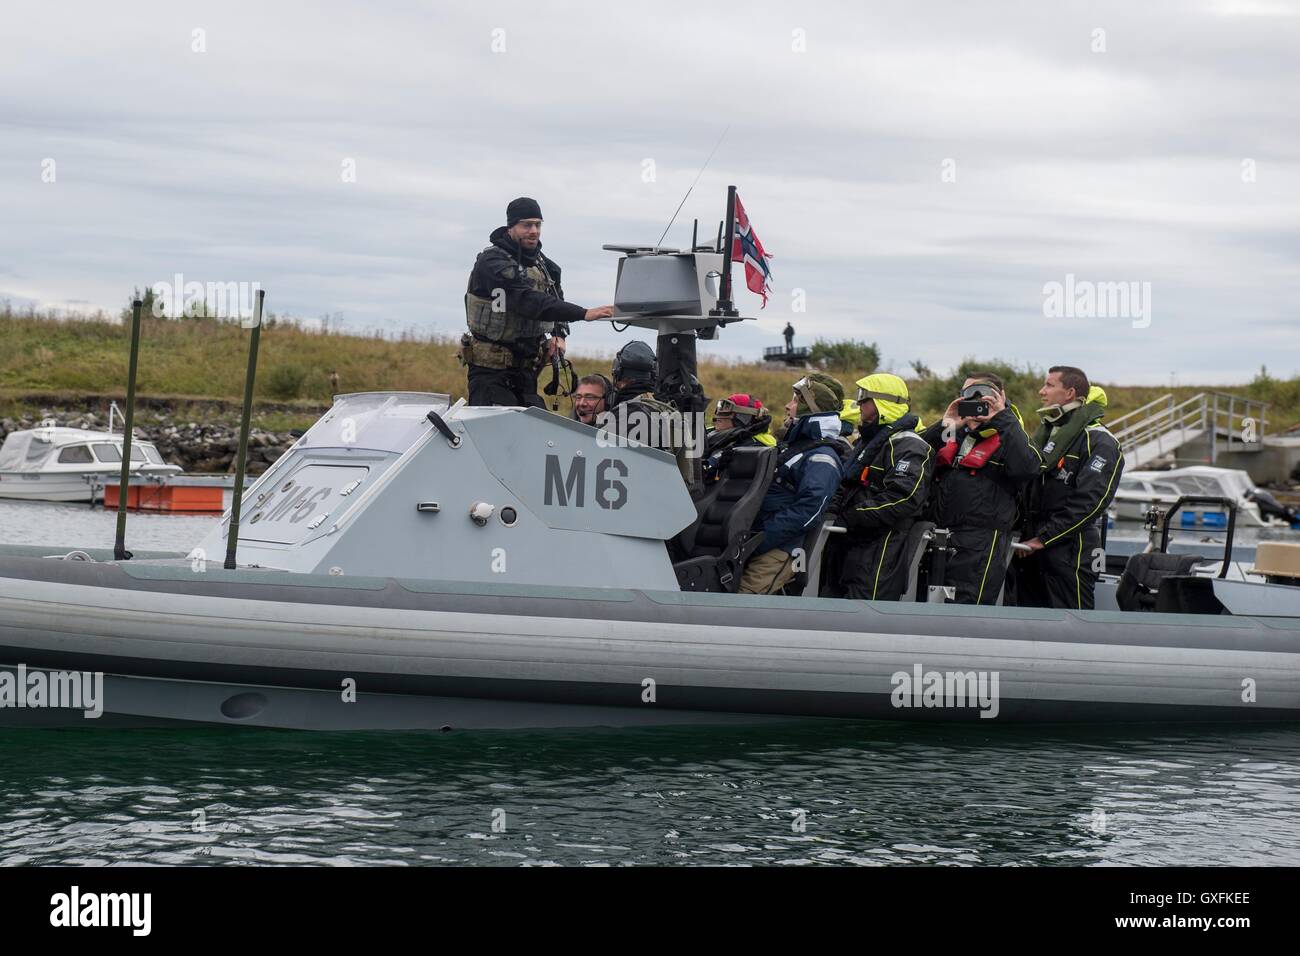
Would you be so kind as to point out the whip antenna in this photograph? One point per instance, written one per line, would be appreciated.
(697, 179)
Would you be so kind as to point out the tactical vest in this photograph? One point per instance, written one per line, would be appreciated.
(504, 326)
(973, 454)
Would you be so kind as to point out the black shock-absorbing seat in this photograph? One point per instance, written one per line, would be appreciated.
(1155, 581)
(712, 551)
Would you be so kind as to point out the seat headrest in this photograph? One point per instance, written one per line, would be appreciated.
(745, 462)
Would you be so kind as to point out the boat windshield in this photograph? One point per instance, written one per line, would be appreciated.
(152, 455)
(107, 452)
(75, 455)
(385, 420)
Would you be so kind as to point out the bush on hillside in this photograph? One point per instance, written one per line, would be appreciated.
(286, 381)
(847, 356)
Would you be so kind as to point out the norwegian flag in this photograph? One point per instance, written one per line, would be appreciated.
(746, 248)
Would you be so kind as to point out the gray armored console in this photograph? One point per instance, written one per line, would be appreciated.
(375, 488)
(380, 487)
(666, 290)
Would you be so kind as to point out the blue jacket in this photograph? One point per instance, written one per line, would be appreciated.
(808, 473)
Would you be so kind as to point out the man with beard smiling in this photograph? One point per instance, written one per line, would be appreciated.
(513, 301)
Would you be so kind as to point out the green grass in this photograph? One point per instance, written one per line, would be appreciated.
(197, 366)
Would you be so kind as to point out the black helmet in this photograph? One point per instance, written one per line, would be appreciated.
(634, 361)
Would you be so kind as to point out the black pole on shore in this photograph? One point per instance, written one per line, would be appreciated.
(232, 540)
(128, 424)
(725, 306)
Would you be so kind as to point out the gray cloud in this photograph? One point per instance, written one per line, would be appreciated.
(1122, 165)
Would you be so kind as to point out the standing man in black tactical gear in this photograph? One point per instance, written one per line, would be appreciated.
(513, 301)
(1081, 467)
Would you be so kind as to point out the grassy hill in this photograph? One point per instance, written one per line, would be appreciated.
(199, 363)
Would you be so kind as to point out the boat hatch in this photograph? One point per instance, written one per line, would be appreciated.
(290, 510)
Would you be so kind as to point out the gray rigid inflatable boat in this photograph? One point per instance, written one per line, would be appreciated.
(276, 649)
(410, 564)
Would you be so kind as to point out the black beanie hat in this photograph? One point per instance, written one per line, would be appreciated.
(522, 208)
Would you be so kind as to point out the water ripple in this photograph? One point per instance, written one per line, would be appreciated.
(805, 795)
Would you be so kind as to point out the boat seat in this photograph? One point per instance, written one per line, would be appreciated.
(1006, 573)
(711, 552)
(807, 578)
(1144, 577)
(1188, 594)
(918, 542)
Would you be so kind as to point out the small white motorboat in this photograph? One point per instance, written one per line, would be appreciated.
(54, 463)
(1139, 491)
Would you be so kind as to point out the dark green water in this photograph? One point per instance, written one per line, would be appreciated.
(869, 794)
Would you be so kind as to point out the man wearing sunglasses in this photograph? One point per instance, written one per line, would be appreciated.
(886, 483)
(983, 461)
(513, 301)
(808, 473)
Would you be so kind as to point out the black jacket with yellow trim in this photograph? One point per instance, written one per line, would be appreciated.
(891, 489)
(1074, 492)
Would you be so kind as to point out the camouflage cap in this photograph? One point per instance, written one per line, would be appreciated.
(830, 381)
(816, 395)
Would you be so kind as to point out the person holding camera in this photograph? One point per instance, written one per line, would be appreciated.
(983, 461)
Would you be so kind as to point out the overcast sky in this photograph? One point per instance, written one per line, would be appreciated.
(1164, 150)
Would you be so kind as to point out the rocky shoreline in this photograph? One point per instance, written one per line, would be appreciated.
(195, 446)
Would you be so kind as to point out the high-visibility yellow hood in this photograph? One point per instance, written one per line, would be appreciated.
(883, 383)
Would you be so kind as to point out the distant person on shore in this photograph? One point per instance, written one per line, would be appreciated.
(789, 337)
(1066, 504)
(512, 303)
(334, 382)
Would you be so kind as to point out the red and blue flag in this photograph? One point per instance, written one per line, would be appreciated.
(746, 248)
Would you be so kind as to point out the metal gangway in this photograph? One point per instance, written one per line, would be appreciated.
(1161, 427)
